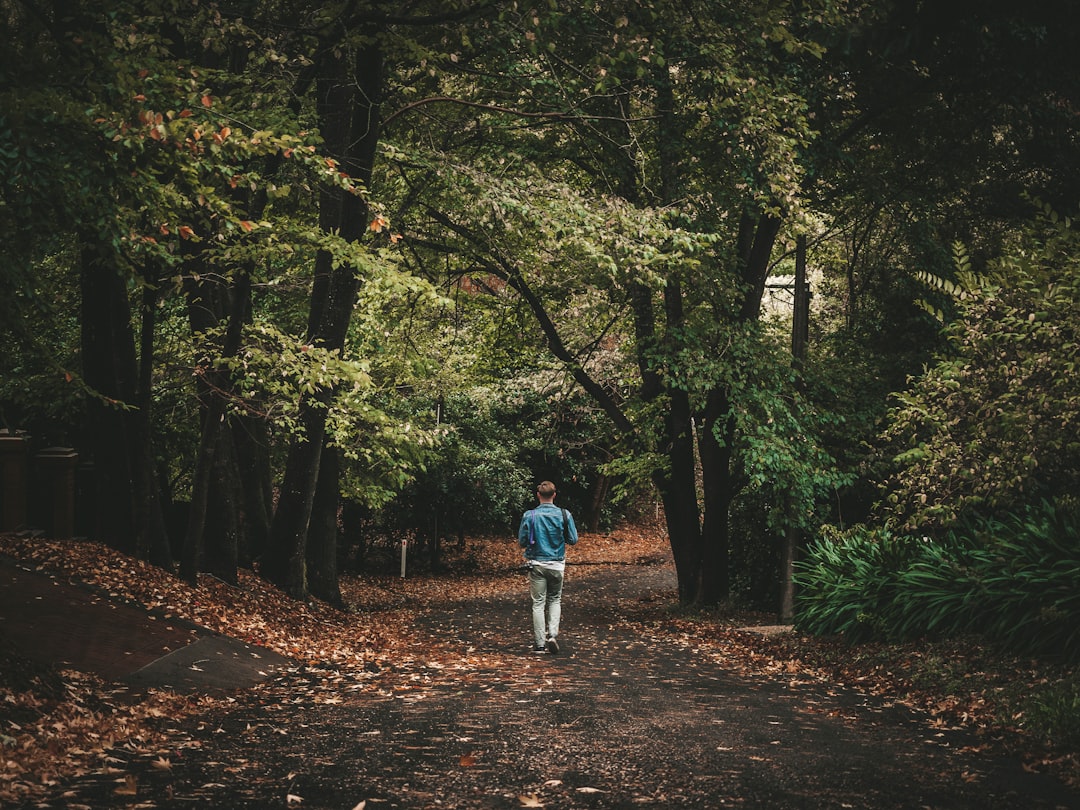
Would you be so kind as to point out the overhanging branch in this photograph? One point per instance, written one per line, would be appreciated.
(500, 267)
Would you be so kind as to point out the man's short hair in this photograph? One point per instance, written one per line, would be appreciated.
(546, 489)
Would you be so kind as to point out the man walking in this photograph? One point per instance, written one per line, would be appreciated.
(544, 534)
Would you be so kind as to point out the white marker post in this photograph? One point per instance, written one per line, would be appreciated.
(404, 544)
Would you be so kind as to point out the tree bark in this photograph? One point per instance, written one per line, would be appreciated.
(598, 495)
(128, 513)
(153, 542)
(215, 390)
(720, 482)
(250, 435)
(348, 107)
(718, 491)
(322, 545)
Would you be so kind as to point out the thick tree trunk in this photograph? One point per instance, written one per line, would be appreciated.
(128, 513)
(252, 443)
(348, 107)
(208, 461)
(322, 544)
(598, 495)
(682, 500)
(718, 490)
(716, 440)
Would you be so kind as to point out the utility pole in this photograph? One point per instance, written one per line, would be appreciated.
(800, 334)
(800, 321)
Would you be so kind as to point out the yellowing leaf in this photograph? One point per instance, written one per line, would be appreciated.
(531, 800)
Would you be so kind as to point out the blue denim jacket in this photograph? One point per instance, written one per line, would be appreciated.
(541, 533)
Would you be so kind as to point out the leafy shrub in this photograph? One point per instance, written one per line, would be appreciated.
(847, 583)
(1029, 588)
(1015, 581)
(993, 424)
(1053, 713)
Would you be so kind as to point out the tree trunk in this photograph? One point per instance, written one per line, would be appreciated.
(153, 542)
(681, 506)
(128, 513)
(207, 461)
(598, 494)
(682, 501)
(718, 491)
(251, 441)
(348, 108)
(716, 441)
(800, 326)
(224, 528)
(322, 544)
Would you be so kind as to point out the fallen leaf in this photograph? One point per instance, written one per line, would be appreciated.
(129, 788)
(531, 800)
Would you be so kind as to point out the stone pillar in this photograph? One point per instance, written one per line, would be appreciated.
(56, 477)
(14, 449)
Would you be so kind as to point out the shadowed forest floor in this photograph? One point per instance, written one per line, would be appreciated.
(426, 694)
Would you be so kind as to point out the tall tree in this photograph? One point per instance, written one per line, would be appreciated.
(629, 101)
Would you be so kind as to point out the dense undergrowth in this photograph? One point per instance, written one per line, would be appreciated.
(1010, 586)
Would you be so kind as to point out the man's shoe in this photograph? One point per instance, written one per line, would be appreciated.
(539, 649)
(553, 645)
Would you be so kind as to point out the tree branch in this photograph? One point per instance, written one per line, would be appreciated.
(549, 116)
(500, 267)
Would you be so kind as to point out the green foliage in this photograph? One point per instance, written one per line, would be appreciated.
(1052, 712)
(41, 341)
(1015, 581)
(847, 580)
(190, 173)
(993, 425)
(474, 480)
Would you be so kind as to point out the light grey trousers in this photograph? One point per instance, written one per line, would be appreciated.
(545, 587)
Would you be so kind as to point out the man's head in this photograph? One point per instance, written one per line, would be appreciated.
(545, 492)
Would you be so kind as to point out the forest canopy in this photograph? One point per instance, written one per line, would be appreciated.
(297, 280)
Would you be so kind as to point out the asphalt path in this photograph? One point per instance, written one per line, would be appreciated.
(464, 715)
